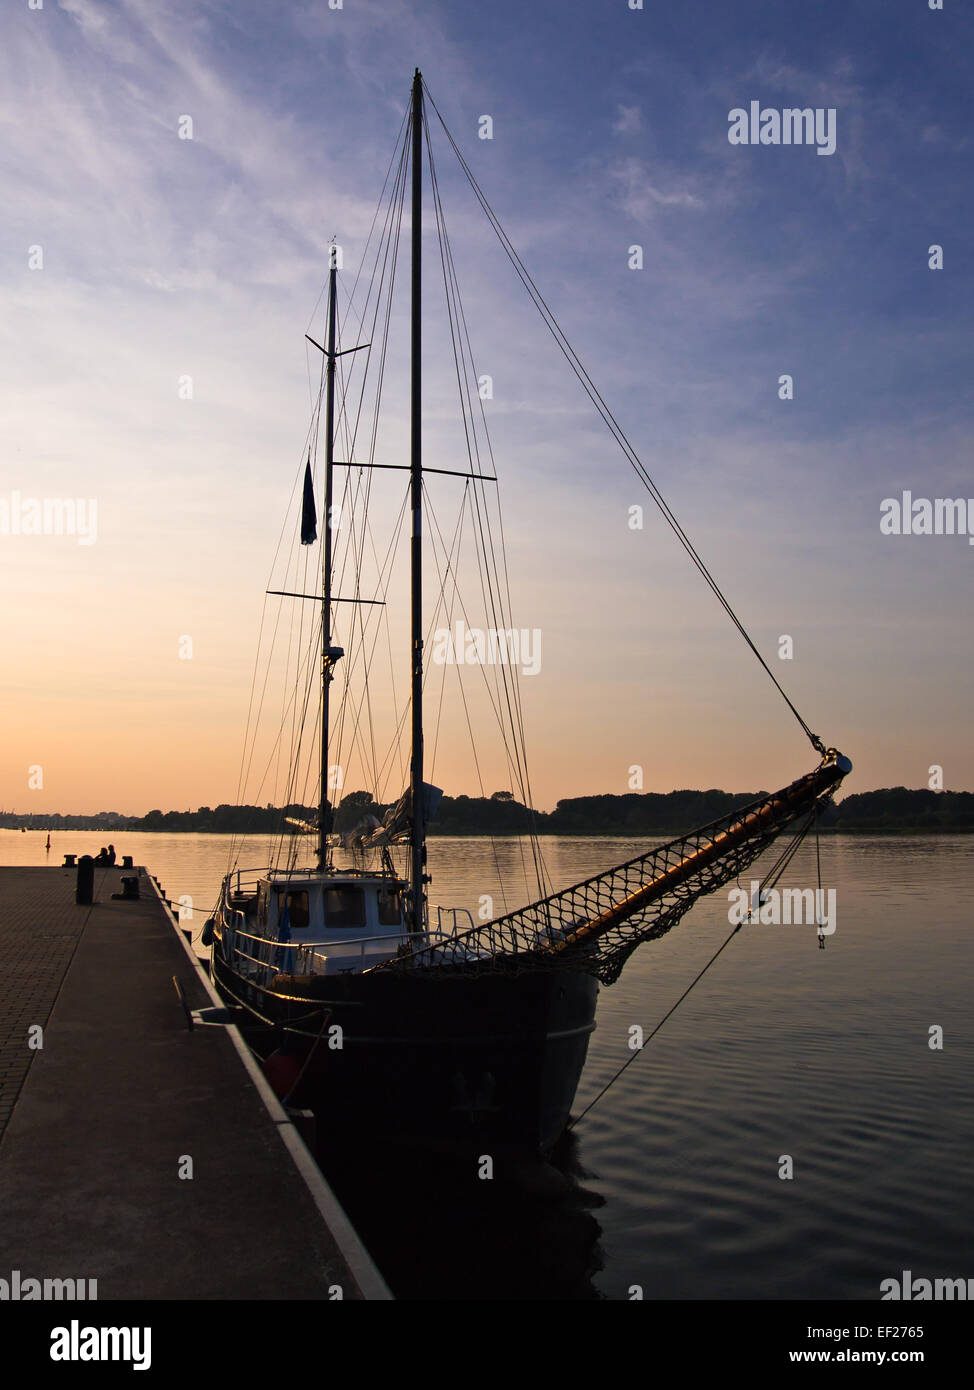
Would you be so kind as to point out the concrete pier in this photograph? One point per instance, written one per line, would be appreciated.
(133, 1151)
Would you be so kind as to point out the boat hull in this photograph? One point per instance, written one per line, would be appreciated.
(429, 1056)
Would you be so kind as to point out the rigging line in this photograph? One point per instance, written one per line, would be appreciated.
(386, 570)
(367, 654)
(504, 683)
(292, 795)
(511, 688)
(372, 227)
(280, 734)
(298, 620)
(614, 428)
(253, 720)
(403, 137)
(428, 637)
(390, 258)
(454, 310)
(246, 762)
(769, 879)
(388, 250)
(629, 1060)
(820, 896)
(354, 549)
(492, 694)
(463, 695)
(394, 224)
(348, 699)
(310, 682)
(441, 604)
(395, 750)
(364, 482)
(473, 743)
(507, 606)
(393, 219)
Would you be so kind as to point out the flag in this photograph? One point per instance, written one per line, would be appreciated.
(309, 517)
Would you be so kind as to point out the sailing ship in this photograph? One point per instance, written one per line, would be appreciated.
(379, 1020)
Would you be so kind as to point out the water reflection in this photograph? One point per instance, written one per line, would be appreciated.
(438, 1230)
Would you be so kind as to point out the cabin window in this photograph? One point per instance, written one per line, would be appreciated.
(296, 905)
(344, 907)
(390, 910)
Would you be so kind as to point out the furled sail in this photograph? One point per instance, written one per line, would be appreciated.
(595, 925)
(396, 825)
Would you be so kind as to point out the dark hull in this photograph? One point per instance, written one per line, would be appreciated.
(427, 1056)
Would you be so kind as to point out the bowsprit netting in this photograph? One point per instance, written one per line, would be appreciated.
(597, 924)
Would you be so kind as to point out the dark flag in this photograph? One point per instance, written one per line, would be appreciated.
(309, 517)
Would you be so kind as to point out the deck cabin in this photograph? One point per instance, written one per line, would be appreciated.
(312, 923)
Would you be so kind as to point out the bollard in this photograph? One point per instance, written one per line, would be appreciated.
(127, 862)
(69, 861)
(84, 894)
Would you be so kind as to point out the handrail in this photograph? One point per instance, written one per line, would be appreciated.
(441, 912)
(301, 945)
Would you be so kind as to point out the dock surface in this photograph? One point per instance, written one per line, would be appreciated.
(97, 1126)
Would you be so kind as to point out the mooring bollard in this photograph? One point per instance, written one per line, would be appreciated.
(127, 862)
(69, 861)
(84, 893)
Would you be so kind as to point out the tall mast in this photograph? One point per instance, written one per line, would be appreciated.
(328, 654)
(418, 839)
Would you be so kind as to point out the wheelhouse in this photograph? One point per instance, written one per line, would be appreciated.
(337, 906)
(309, 923)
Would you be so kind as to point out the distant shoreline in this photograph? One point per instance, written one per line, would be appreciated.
(832, 830)
(634, 815)
(434, 834)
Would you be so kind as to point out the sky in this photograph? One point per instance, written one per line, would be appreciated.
(138, 266)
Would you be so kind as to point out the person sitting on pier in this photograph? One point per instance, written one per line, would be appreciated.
(111, 854)
(102, 856)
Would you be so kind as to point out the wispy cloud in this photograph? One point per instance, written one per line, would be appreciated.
(628, 121)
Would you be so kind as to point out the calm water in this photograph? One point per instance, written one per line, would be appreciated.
(781, 1049)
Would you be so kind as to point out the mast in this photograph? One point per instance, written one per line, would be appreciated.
(328, 654)
(418, 836)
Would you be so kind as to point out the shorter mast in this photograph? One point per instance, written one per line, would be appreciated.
(329, 654)
(417, 877)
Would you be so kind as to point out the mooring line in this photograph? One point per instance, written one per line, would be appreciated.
(630, 1060)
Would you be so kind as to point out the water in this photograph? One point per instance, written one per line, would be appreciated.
(782, 1049)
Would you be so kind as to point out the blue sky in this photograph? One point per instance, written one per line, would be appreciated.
(165, 257)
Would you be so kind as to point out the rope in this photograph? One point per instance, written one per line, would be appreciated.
(777, 869)
(668, 1014)
(610, 421)
(819, 896)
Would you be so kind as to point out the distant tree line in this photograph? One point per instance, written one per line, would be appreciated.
(902, 808)
(636, 814)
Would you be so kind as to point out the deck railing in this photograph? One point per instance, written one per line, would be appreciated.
(265, 955)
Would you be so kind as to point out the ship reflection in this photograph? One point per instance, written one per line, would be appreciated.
(438, 1230)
